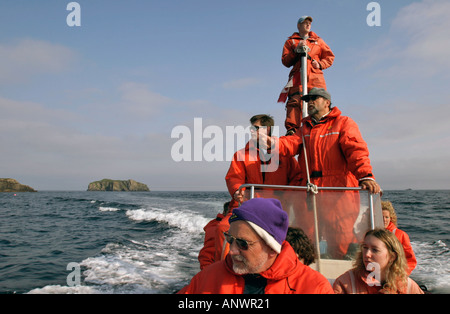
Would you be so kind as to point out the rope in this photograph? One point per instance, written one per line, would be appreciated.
(312, 188)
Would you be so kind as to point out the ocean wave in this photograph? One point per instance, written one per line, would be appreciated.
(136, 267)
(108, 209)
(433, 265)
(58, 289)
(188, 221)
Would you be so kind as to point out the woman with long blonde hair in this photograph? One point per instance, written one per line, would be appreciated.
(380, 267)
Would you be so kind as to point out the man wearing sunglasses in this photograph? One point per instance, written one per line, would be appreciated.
(338, 156)
(337, 153)
(254, 164)
(260, 261)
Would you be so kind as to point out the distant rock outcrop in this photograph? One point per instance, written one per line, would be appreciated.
(118, 185)
(11, 185)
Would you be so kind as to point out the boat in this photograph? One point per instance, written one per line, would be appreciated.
(334, 218)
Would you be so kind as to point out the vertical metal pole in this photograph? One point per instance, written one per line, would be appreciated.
(303, 50)
(252, 192)
(372, 218)
(316, 233)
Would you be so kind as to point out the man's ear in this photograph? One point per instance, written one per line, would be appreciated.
(272, 253)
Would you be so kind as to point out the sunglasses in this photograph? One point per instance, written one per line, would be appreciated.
(255, 128)
(241, 244)
(312, 98)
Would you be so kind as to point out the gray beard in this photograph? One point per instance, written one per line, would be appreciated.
(248, 269)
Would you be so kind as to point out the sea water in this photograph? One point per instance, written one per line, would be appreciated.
(149, 242)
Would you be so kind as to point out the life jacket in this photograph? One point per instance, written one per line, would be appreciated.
(352, 283)
(337, 153)
(246, 167)
(403, 237)
(206, 255)
(319, 51)
(287, 275)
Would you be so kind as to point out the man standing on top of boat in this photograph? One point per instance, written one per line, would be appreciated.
(320, 57)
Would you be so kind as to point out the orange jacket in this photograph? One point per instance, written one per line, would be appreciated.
(245, 168)
(337, 153)
(206, 255)
(221, 246)
(319, 52)
(351, 283)
(287, 275)
(403, 237)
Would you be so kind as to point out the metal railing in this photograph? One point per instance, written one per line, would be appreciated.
(366, 200)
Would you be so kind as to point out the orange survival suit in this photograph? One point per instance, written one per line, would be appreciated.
(207, 253)
(337, 157)
(246, 167)
(403, 237)
(320, 52)
(353, 283)
(287, 275)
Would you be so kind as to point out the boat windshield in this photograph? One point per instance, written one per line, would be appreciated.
(334, 219)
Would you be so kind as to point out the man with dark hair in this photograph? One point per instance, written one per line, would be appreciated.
(254, 165)
(302, 245)
(257, 165)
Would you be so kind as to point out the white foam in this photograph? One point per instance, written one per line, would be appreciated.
(433, 265)
(108, 209)
(57, 289)
(188, 221)
(158, 264)
(136, 268)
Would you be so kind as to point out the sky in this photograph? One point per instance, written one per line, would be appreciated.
(103, 99)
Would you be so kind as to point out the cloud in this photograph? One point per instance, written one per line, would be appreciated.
(49, 149)
(408, 143)
(138, 104)
(25, 58)
(139, 100)
(404, 125)
(417, 45)
(53, 149)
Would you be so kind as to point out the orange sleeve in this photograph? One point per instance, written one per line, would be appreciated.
(235, 176)
(355, 150)
(326, 55)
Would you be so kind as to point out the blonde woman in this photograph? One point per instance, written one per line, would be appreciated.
(380, 267)
(390, 223)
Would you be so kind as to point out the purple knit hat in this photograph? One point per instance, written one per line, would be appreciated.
(267, 218)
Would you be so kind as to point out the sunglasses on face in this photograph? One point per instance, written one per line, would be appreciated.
(312, 98)
(241, 244)
(255, 128)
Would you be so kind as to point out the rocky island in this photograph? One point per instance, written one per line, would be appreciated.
(11, 185)
(118, 185)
